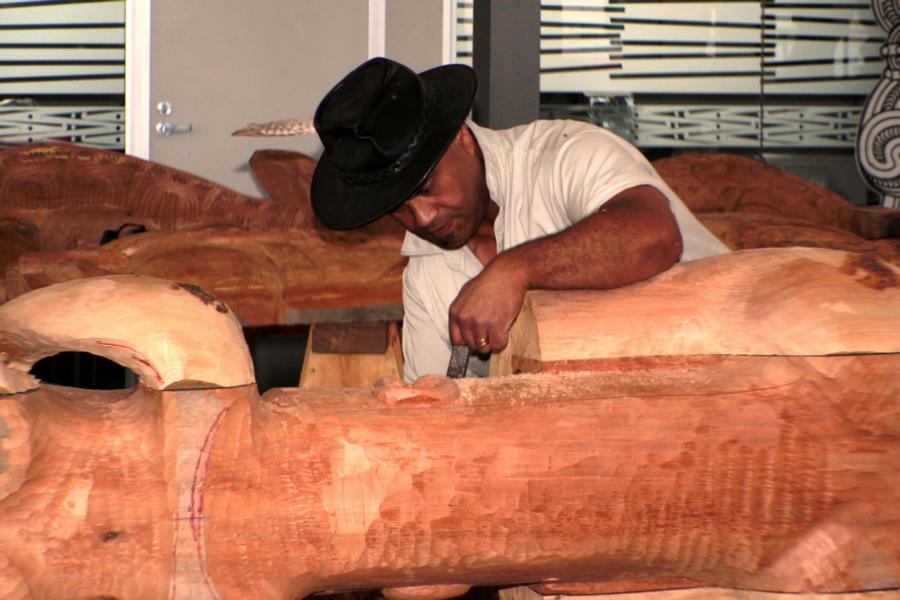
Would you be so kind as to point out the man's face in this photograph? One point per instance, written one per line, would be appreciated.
(451, 204)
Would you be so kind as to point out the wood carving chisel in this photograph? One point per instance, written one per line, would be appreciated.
(459, 359)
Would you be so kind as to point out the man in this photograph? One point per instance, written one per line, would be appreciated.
(489, 214)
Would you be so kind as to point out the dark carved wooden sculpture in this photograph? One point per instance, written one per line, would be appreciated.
(267, 258)
(749, 204)
(263, 257)
(737, 426)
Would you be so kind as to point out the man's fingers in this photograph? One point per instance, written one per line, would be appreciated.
(456, 334)
(498, 339)
(482, 343)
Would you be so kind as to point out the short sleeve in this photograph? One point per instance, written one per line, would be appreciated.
(592, 167)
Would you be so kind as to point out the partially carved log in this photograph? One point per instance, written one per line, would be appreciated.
(170, 334)
(777, 302)
(756, 472)
(266, 259)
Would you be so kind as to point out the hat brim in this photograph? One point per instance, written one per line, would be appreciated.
(341, 206)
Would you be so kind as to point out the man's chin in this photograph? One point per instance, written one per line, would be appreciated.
(449, 243)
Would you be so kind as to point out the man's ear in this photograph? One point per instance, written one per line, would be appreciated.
(466, 139)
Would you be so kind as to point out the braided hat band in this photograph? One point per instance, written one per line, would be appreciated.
(402, 160)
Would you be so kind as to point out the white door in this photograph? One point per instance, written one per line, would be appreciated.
(216, 66)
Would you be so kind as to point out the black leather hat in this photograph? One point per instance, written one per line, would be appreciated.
(384, 128)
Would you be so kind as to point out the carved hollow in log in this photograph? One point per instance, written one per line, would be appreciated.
(170, 334)
(769, 473)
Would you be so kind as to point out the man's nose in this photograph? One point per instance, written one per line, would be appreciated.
(423, 212)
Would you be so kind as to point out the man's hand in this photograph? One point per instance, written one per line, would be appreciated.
(486, 307)
(632, 237)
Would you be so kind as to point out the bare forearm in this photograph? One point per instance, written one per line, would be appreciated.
(632, 237)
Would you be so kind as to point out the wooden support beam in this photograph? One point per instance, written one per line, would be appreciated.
(351, 355)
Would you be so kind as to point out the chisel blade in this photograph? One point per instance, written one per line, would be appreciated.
(459, 359)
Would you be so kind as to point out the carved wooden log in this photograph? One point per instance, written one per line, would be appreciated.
(719, 182)
(264, 276)
(763, 302)
(264, 258)
(170, 334)
(73, 193)
(742, 230)
(757, 472)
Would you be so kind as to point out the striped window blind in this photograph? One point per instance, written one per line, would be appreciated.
(672, 73)
(62, 71)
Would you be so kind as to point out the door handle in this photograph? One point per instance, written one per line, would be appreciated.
(167, 128)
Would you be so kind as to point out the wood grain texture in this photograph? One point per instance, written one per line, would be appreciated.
(337, 367)
(73, 193)
(720, 182)
(760, 473)
(261, 275)
(526, 593)
(744, 230)
(767, 473)
(268, 258)
(789, 301)
(170, 334)
(262, 257)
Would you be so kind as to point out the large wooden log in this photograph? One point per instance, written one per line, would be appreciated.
(786, 302)
(753, 473)
(749, 204)
(720, 182)
(264, 258)
(263, 276)
(71, 194)
(773, 473)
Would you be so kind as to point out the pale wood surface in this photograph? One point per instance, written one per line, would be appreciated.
(791, 301)
(169, 334)
(767, 473)
(526, 593)
(351, 369)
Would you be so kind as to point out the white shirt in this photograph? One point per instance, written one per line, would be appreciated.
(544, 177)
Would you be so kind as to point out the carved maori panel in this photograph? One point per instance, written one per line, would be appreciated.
(878, 143)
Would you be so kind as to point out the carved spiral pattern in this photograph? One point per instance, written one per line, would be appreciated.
(886, 13)
(884, 137)
(890, 100)
(878, 142)
(878, 151)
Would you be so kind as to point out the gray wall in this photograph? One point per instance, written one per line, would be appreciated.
(413, 32)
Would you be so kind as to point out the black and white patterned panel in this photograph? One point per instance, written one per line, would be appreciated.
(797, 70)
(62, 72)
(806, 47)
(878, 144)
(62, 48)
